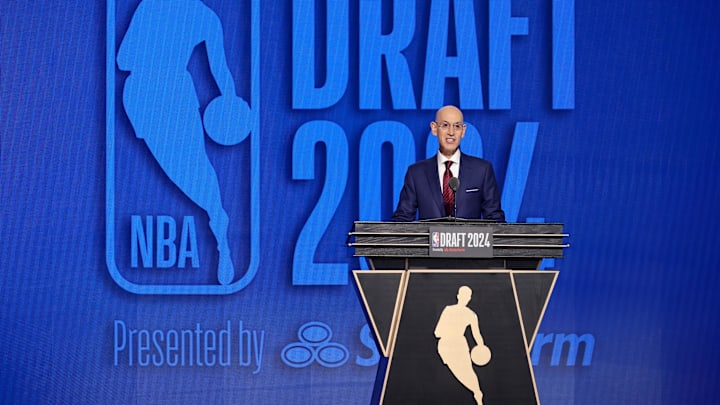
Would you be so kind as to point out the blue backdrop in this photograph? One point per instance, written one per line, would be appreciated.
(600, 115)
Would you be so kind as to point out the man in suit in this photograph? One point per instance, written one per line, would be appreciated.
(427, 192)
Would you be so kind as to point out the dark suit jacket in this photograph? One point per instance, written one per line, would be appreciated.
(477, 196)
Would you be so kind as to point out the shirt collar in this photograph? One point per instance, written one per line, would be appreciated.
(455, 158)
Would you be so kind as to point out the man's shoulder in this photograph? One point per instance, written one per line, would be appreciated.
(473, 160)
(421, 164)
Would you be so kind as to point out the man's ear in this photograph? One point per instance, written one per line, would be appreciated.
(433, 128)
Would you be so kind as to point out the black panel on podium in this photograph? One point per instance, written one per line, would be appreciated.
(380, 291)
(434, 287)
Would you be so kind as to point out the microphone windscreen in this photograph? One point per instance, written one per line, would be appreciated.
(454, 183)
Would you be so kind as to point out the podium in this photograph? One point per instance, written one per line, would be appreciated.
(439, 289)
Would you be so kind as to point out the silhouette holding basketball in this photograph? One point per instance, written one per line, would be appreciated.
(162, 104)
(453, 348)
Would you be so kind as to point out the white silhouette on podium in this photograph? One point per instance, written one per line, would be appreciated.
(453, 348)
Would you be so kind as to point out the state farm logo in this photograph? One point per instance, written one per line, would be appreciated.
(182, 158)
(315, 345)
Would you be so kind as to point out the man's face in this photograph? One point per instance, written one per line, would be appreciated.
(449, 129)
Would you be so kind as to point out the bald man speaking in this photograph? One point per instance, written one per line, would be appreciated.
(449, 184)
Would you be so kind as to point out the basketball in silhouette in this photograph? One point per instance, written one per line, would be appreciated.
(480, 355)
(228, 120)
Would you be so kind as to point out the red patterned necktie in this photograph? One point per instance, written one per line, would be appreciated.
(448, 195)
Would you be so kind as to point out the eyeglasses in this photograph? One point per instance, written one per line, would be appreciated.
(445, 126)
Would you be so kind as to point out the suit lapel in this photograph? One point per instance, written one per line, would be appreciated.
(433, 179)
(460, 194)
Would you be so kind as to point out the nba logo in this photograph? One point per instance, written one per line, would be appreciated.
(182, 155)
(436, 239)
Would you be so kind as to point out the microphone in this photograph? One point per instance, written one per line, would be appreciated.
(454, 183)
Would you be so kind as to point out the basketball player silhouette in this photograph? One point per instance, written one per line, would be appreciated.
(161, 102)
(453, 347)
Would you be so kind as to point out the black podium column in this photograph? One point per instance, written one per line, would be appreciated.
(405, 308)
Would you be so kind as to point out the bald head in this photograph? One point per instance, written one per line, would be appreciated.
(448, 110)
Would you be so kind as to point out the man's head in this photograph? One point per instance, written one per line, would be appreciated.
(449, 129)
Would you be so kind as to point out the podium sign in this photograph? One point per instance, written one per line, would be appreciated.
(466, 241)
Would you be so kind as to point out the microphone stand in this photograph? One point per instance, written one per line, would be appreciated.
(454, 206)
(454, 183)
